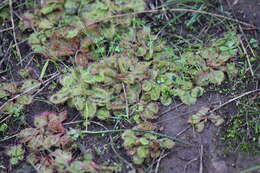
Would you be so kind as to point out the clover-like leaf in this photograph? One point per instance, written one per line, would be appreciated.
(216, 77)
(216, 119)
(55, 121)
(166, 143)
(25, 99)
(165, 100)
(142, 151)
(231, 70)
(30, 85)
(147, 85)
(187, 98)
(197, 92)
(143, 141)
(3, 93)
(61, 96)
(150, 110)
(41, 120)
(45, 24)
(129, 138)
(103, 114)
(138, 160)
(199, 127)
(16, 154)
(155, 92)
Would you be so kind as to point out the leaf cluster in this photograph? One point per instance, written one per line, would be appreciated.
(65, 28)
(144, 146)
(132, 82)
(50, 147)
(199, 119)
(16, 154)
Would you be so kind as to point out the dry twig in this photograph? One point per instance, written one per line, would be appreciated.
(233, 99)
(174, 10)
(13, 28)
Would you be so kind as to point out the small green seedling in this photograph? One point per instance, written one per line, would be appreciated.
(16, 154)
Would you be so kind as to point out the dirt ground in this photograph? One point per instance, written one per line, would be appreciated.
(207, 153)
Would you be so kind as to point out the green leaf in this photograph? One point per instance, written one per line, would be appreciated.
(45, 24)
(216, 119)
(16, 153)
(44, 69)
(199, 127)
(166, 100)
(129, 138)
(71, 7)
(187, 98)
(138, 160)
(216, 77)
(155, 93)
(152, 107)
(103, 114)
(10, 87)
(25, 99)
(202, 79)
(146, 85)
(142, 151)
(61, 96)
(79, 102)
(231, 70)
(198, 119)
(144, 141)
(41, 121)
(68, 81)
(150, 111)
(72, 33)
(166, 143)
(100, 95)
(197, 92)
(3, 93)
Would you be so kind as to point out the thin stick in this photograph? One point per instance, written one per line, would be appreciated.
(184, 130)
(126, 101)
(171, 109)
(137, 130)
(174, 10)
(6, 29)
(201, 159)
(247, 58)
(231, 100)
(13, 28)
(162, 155)
(10, 137)
(186, 166)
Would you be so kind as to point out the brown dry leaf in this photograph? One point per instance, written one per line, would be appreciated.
(55, 122)
(146, 126)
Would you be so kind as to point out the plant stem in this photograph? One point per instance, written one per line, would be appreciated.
(136, 130)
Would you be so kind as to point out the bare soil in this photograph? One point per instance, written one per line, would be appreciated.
(207, 152)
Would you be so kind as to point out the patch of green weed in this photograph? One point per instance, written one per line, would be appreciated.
(244, 128)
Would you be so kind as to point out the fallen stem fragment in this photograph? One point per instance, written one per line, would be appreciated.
(137, 130)
(174, 10)
(234, 99)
